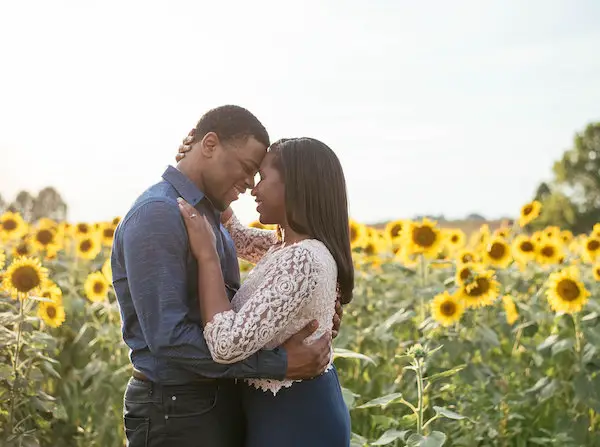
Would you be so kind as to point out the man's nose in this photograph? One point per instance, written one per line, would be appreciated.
(249, 182)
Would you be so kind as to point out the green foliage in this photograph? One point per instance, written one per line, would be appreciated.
(573, 200)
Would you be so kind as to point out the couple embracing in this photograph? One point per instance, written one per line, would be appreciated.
(217, 363)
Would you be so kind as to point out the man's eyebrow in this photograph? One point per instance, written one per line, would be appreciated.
(255, 165)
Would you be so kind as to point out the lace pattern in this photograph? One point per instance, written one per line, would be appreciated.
(289, 287)
(251, 244)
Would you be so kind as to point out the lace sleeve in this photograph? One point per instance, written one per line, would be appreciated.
(286, 287)
(250, 243)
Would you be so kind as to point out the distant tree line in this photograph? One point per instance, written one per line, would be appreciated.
(47, 203)
(571, 200)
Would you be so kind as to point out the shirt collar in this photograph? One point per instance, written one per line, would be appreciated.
(184, 186)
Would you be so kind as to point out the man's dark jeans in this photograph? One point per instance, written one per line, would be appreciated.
(194, 415)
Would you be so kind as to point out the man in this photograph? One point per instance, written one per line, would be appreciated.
(178, 396)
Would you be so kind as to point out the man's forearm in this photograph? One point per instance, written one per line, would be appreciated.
(212, 296)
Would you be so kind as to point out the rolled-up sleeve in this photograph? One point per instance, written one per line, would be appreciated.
(155, 246)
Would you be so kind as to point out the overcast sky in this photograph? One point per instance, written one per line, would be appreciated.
(433, 107)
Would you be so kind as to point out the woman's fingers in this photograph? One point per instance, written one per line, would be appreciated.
(186, 209)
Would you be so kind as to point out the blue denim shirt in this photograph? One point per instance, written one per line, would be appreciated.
(156, 281)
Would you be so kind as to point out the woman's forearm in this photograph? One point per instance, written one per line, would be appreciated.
(211, 290)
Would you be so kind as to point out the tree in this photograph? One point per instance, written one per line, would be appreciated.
(572, 199)
(48, 203)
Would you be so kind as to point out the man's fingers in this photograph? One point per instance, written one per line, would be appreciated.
(306, 331)
(339, 310)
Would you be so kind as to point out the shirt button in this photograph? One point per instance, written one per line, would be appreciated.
(174, 398)
(166, 416)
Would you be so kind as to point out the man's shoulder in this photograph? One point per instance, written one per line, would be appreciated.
(157, 202)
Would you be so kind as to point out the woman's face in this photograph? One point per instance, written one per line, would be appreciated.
(270, 193)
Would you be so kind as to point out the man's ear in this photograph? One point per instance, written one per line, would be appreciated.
(209, 144)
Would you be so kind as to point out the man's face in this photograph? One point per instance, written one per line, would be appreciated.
(231, 170)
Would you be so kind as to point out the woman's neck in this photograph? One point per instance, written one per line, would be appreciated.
(289, 236)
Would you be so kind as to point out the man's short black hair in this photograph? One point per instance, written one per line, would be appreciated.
(231, 123)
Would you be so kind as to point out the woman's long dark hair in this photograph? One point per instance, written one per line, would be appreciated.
(316, 200)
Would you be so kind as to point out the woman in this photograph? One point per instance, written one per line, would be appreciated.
(297, 278)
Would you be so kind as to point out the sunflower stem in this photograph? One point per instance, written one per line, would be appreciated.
(423, 285)
(15, 386)
(418, 364)
(577, 327)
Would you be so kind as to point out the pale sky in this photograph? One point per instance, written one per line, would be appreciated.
(433, 107)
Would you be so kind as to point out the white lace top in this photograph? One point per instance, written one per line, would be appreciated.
(288, 287)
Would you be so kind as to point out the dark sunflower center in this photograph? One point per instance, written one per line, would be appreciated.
(396, 249)
(108, 233)
(25, 278)
(98, 287)
(46, 294)
(527, 247)
(83, 228)
(480, 288)
(370, 249)
(464, 274)
(568, 290)
(448, 308)
(593, 245)
(424, 236)
(51, 312)
(9, 224)
(44, 237)
(116, 220)
(353, 234)
(85, 246)
(527, 210)
(454, 238)
(497, 251)
(467, 257)
(22, 249)
(548, 251)
(396, 230)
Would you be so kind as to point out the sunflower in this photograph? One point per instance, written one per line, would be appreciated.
(45, 239)
(96, 287)
(24, 276)
(447, 309)
(566, 293)
(423, 238)
(523, 248)
(82, 229)
(106, 270)
(88, 248)
(591, 249)
(465, 256)
(2, 259)
(596, 271)
(357, 233)
(23, 248)
(502, 232)
(455, 239)
(549, 252)
(481, 291)
(566, 236)
(51, 291)
(256, 224)
(510, 309)
(393, 229)
(116, 221)
(497, 253)
(529, 212)
(481, 237)
(12, 226)
(107, 233)
(52, 313)
(465, 273)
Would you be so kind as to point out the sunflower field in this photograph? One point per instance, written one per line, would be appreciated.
(483, 339)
